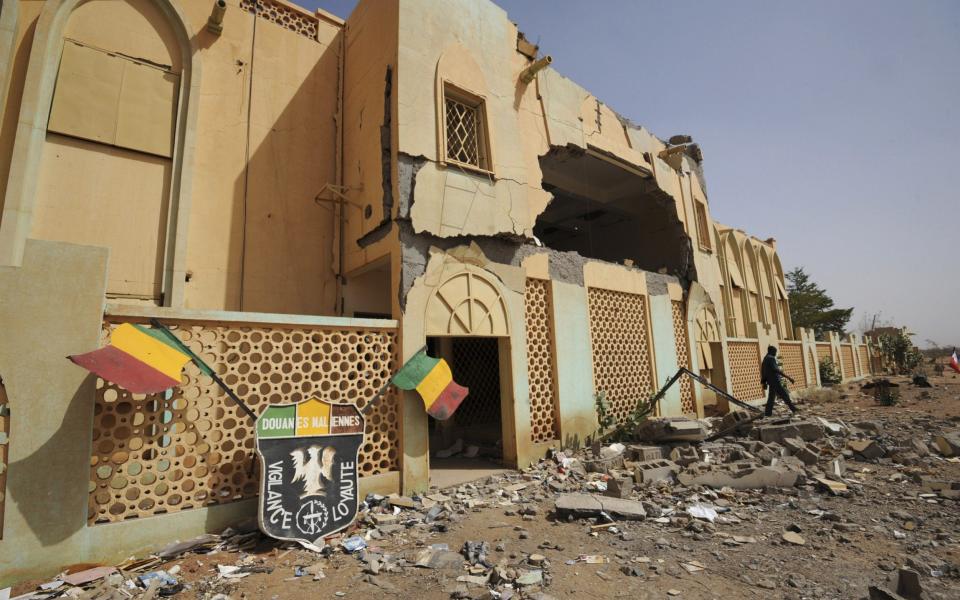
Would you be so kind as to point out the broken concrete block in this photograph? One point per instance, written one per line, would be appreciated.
(740, 476)
(946, 489)
(919, 447)
(655, 470)
(640, 453)
(837, 468)
(723, 453)
(737, 420)
(868, 449)
(948, 444)
(586, 505)
(671, 429)
(765, 452)
(619, 487)
(684, 455)
(908, 584)
(881, 593)
(834, 487)
(808, 431)
(871, 427)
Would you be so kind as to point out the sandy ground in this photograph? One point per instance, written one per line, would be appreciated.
(850, 542)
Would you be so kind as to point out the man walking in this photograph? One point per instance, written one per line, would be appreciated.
(770, 374)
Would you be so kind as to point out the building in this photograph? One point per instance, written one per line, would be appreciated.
(310, 201)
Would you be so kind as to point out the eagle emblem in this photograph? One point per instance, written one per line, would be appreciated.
(315, 472)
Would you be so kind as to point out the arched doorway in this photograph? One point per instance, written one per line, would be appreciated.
(710, 359)
(466, 322)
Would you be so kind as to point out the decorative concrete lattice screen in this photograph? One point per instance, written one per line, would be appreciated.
(745, 369)
(538, 308)
(194, 447)
(688, 403)
(846, 357)
(284, 16)
(864, 360)
(791, 355)
(824, 351)
(620, 342)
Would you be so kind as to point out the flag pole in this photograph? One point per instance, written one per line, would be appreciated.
(204, 367)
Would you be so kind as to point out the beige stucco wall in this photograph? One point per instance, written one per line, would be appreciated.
(249, 235)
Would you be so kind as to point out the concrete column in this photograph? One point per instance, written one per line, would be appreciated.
(574, 364)
(664, 353)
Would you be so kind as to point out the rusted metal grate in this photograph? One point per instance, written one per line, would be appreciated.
(192, 447)
(620, 342)
(688, 402)
(745, 369)
(544, 421)
(476, 365)
(464, 135)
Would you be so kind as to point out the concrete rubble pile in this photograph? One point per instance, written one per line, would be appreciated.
(669, 478)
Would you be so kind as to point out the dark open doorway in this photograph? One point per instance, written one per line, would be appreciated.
(469, 445)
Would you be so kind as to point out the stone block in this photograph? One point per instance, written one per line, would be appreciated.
(655, 470)
(586, 505)
(867, 449)
(948, 444)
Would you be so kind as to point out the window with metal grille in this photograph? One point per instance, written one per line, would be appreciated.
(703, 229)
(465, 125)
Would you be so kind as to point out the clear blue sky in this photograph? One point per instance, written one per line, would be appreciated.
(832, 126)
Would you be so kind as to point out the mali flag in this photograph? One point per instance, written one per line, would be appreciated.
(431, 377)
(138, 359)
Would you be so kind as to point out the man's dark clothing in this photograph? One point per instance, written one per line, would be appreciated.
(770, 374)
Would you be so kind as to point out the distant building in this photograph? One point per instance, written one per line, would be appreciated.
(308, 202)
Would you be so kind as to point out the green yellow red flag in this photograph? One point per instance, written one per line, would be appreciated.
(432, 379)
(138, 359)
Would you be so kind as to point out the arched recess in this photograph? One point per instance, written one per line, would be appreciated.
(9, 18)
(708, 337)
(460, 77)
(467, 303)
(783, 299)
(767, 290)
(20, 203)
(738, 314)
(752, 274)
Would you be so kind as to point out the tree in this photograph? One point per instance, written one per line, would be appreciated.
(811, 307)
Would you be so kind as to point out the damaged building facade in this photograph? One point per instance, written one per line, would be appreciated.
(308, 202)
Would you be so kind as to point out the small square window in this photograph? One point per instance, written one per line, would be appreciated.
(465, 124)
(703, 228)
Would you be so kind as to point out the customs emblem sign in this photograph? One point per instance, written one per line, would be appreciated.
(308, 457)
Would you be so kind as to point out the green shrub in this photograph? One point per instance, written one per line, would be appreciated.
(829, 373)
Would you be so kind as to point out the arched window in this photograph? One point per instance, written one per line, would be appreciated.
(104, 143)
